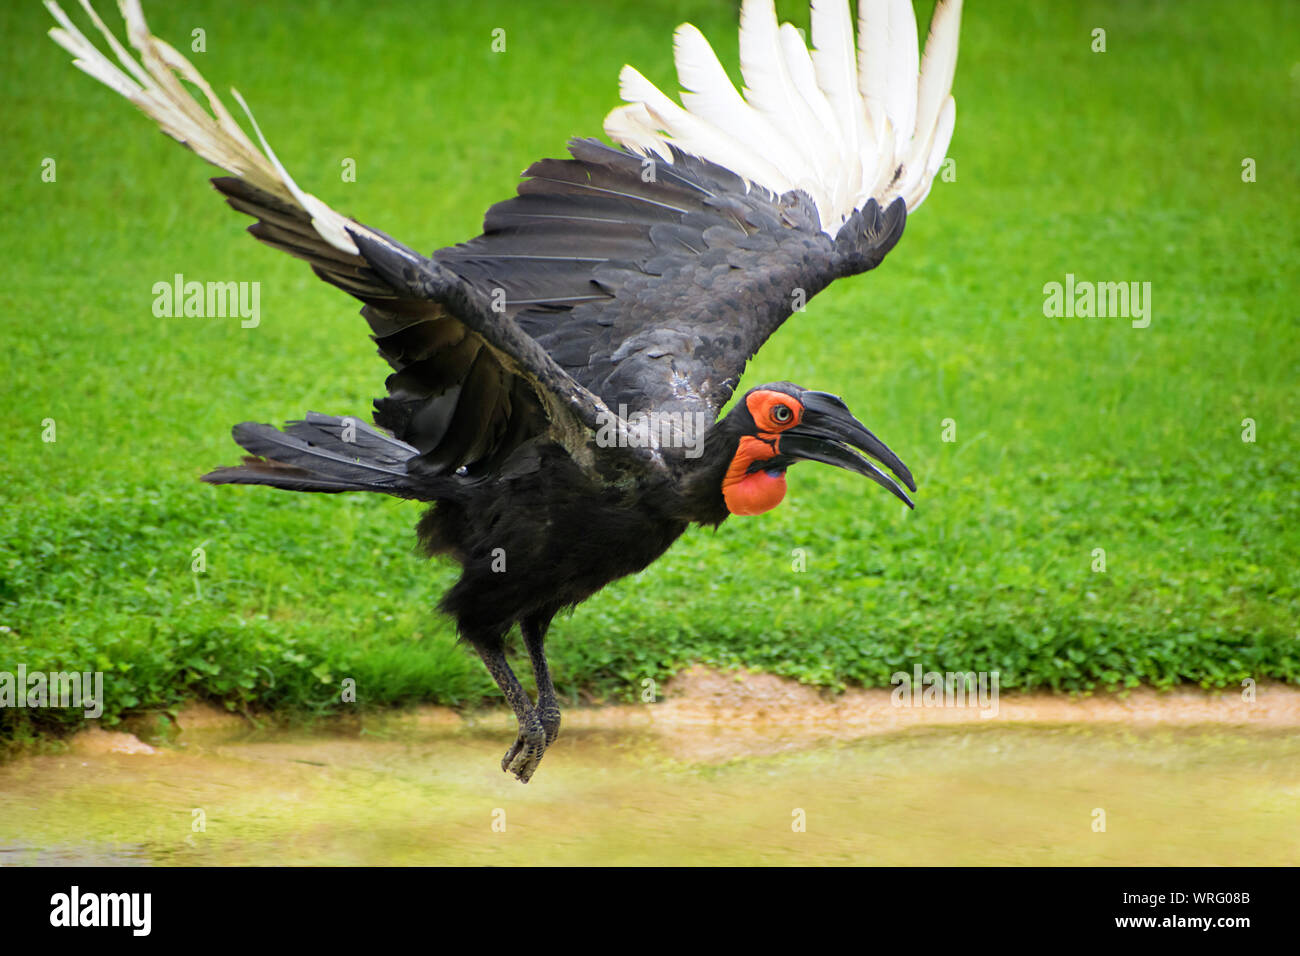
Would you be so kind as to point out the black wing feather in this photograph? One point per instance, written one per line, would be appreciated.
(651, 282)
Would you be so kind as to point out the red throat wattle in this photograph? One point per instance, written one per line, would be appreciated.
(752, 493)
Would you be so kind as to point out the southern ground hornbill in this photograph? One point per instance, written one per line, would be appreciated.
(557, 379)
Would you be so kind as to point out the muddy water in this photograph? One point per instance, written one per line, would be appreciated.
(401, 792)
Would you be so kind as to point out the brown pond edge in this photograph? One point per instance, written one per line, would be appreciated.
(705, 697)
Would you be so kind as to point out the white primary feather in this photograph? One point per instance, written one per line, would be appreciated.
(903, 58)
(709, 94)
(939, 150)
(845, 123)
(708, 139)
(845, 181)
(155, 89)
(634, 127)
(873, 61)
(832, 59)
(933, 93)
(771, 91)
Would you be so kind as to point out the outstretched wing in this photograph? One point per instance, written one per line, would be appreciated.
(468, 384)
(637, 280)
(652, 274)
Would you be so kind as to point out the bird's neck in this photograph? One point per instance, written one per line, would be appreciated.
(718, 484)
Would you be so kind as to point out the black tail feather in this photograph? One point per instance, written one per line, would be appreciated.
(322, 453)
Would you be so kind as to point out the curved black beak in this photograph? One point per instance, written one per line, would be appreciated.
(825, 434)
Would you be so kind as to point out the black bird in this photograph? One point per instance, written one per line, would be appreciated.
(557, 379)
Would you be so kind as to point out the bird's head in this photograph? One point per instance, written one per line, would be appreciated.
(780, 424)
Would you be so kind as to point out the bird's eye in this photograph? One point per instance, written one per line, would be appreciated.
(781, 414)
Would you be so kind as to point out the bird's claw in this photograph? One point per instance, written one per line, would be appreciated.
(526, 752)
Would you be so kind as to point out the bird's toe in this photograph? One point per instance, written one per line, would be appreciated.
(526, 752)
(550, 718)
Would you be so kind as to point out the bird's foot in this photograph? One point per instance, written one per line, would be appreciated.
(526, 752)
(537, 731)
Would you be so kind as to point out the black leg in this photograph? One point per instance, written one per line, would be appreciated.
(526, 753)
(493, 652)
(548, 705)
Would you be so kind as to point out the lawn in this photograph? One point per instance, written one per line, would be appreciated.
(1045, 448)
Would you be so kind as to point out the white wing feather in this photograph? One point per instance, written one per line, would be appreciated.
(215, 136)
(709, 94)
(935, 82)
(837, 76)
(845, 124)
(771, 90)
(684, 126)
(904, 64)
(845, 181)
(634, 127)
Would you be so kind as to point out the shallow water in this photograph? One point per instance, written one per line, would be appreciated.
(395, 793)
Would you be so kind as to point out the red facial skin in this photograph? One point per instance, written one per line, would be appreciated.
(752, 494)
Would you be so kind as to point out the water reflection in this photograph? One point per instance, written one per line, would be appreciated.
(398, 792)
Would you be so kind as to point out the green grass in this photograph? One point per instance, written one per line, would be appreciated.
(1072, 434)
